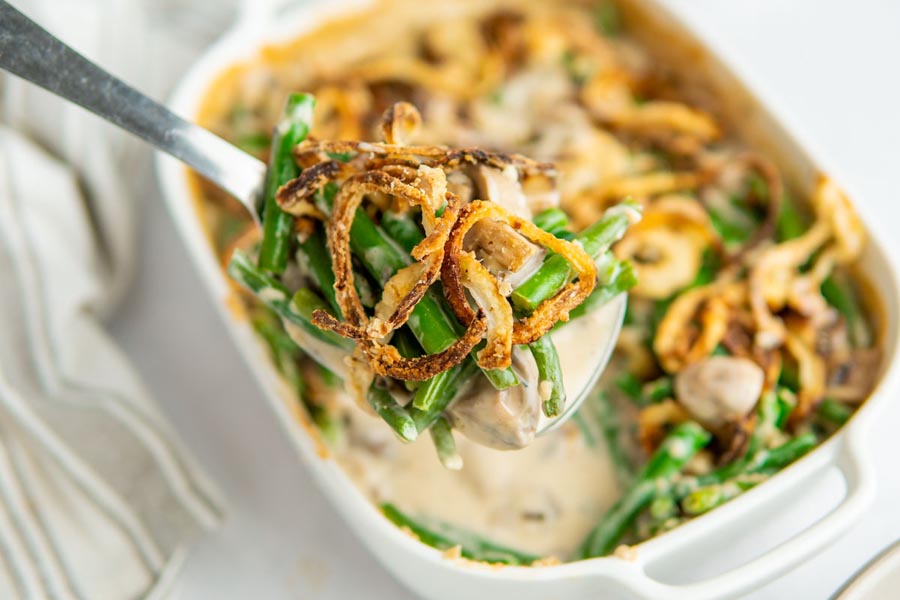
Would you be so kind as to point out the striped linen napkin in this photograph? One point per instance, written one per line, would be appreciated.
(97, 498)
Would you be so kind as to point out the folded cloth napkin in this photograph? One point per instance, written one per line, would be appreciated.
(97, 499)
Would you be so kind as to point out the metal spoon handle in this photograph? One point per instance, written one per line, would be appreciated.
(29, 51)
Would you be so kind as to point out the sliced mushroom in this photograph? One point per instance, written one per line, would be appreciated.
(501, 419)
(502, 187)
(497, 245)
(500, 249)
(719, 389)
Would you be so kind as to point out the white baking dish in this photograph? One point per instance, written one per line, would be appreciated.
(680, 551)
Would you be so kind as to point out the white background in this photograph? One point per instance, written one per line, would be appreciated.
(832, 67)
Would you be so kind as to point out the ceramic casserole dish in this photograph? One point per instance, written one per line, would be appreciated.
(665, 566)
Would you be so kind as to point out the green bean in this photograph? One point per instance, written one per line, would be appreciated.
(556, 271)
(457, 378)
(278, 226)
(790, 375)
(679, 446)
(392, 413)
(622, 280)
(254, 143)
(428, 321)
(731, 233)
(838, 291)
(552, 220)
(716, 491)
(609, 423)
(268, 326)
(586, 433)
(658, 390)
(274, 295)
(313, 251)
(662, 514)
(709, 268)
(445, 445)
(408, 347)
(285, 355)
(607, 19)
(791, 223)
(402, 229)
(629, 384)
(431, 393)
(315, 257)
(549, 371)
(404, 232)
(444, 536)
(786, 401)
(663, 507)
(767, 417)
(781, 456)
(834, 412)
(712, 496)
(763, 461)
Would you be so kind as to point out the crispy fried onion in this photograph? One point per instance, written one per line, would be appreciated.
(385, 359)
(400, 122)
(696, 322)
(667, 246)
(460, 274)
(724, 172)
(403, 177)
(811, 371)
(775, 276)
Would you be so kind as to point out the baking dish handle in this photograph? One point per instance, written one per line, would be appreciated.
(850, 459)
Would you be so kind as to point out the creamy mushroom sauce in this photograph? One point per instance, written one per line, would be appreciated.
(540, 499)
(545, 498)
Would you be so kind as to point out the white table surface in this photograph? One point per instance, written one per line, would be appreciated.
(832, 65)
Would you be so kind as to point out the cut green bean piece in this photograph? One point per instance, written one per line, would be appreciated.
(663, 507)
(834, 412)
(408, 347)
(609, 423)
(285, 355)
(791, 222)
(781, 456)
(705, 499)
(278, 226)
(629, 384)
(457, 378)
(556, 271)
(679, 446)
(383, 403)
(839, 293)
(408, 235)
(607, 18)
(317, 259)
(445, 445)
(431, 393)
(658, 390)
(254, 143)
(274, 295)
(623, 280)
(402, 229)
(552, 220)
(549, 376)
(444, 536)
(731, 233)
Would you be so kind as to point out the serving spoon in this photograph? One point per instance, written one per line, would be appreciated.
(32, 53)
